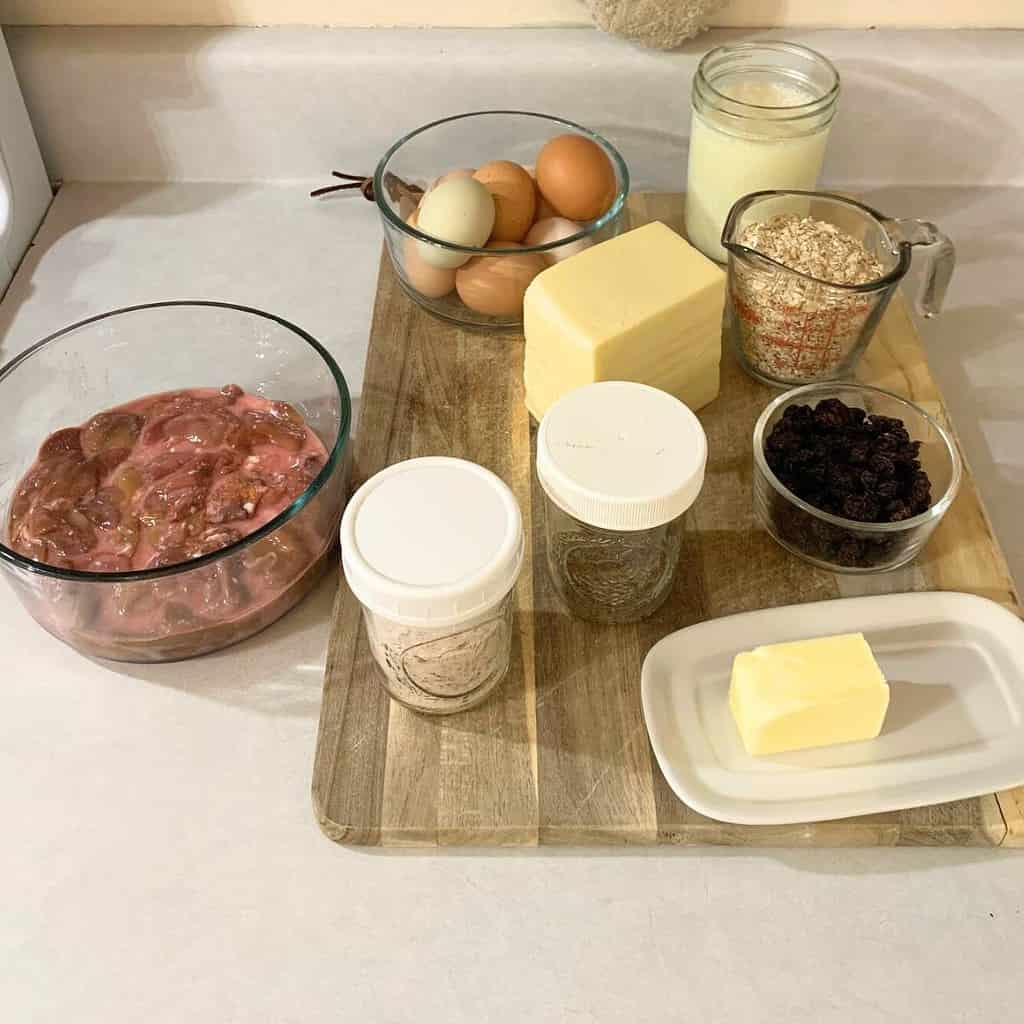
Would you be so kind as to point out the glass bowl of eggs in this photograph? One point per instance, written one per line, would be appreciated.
(475, 206)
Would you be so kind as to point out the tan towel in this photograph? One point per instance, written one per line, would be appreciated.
(660, 24)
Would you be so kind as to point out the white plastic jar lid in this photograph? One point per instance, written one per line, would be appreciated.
(432, 541)
(621, 456)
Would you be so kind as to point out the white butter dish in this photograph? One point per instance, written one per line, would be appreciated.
(954, 729)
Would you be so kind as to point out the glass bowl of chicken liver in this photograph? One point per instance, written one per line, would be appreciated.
(174, 475)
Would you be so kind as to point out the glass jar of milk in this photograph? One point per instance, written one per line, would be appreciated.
(761, 117)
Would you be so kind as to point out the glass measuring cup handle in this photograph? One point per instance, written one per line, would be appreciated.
(940, 257)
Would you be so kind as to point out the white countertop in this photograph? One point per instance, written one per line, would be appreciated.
(160, 860)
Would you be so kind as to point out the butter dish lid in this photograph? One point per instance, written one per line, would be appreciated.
(432, 541)
(621, 456)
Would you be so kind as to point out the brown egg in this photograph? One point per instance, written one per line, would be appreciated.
(432, 282)
(511, 188)
(576, 177)
(495, 285)
(544, 210)
(407, 204)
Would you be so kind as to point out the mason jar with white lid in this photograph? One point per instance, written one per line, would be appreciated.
(619, 464)
(432, 548)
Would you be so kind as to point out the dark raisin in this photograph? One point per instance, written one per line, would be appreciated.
(782, 440)
(881, 466)
(886, 423)
(797, 415)
(887, 489)
(827, 419)
(841, 479)
(921, 492)
(869, 480)
(836, 405)
(859, 454)
(860, 507)
(821, 530)
(849, 552)
(815, 473)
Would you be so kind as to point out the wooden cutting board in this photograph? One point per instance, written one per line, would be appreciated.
(559, 754)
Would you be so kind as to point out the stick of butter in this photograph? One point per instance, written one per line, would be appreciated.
(644, 306)
(810, 693)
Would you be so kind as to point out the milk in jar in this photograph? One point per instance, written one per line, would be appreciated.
(761, 119)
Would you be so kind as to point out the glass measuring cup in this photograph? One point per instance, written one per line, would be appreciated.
(787, 327)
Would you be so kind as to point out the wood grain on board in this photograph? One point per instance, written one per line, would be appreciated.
(559, 754)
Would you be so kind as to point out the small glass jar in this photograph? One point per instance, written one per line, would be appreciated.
(442, 669)
(611, 575)
(432, 549)
(619, 464)
(761, 117)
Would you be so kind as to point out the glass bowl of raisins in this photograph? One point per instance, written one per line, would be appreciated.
(852, 478)
(174, 477)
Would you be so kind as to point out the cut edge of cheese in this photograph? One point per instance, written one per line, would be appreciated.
(695, 389)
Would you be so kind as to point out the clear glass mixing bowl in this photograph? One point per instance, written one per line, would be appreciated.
(469, 141)
(126, 354)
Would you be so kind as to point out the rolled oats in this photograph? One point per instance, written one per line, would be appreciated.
(796, 328)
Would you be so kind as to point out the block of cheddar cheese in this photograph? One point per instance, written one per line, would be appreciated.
(809, 693)
(644, 306)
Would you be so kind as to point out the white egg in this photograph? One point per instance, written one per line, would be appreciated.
(459, 172)
(459, 210)
(433, 282)
(551, 230)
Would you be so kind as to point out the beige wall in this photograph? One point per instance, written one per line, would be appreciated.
(980, 13)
